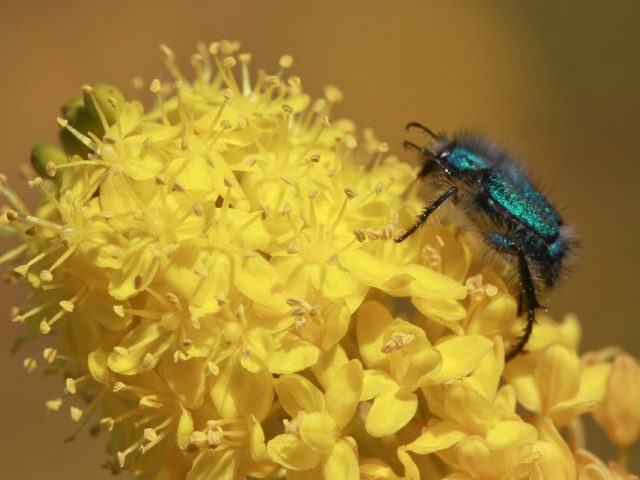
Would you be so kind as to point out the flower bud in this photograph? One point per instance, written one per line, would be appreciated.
(42, 153)
(619, 414)
(97, 97)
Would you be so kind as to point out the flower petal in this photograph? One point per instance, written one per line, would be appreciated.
(390, 412)
(291, 452)
(238, 392)
(318, 430)
(344, 392)
(297, 394)
(218, 464)
(342, 463)
(460, 355)
(437, 436)
(508, 433)
(373, 319)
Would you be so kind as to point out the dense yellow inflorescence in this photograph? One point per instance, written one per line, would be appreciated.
(227, 301)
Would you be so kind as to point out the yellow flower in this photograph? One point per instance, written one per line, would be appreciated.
(591, 467)
(477, 434)
(313, 442)
(553, 459)
(618, 413)
(552, 382)
(219, 275)
(401, 360)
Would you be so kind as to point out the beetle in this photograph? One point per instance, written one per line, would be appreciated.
(509, 213)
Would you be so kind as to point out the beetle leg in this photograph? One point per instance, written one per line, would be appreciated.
(425, 214)
(527, 299)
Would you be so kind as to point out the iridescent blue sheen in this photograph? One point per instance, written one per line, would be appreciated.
(461, 159)
(519, 197)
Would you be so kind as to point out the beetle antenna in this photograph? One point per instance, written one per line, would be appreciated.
(426, 130)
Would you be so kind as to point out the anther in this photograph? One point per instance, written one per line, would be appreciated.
(229, 62)
(45, 328)
(107, 423)
(122, 351)
(51, 169)
(149, 361)
(70, 385)
(286, 61)
(332, 94)
(213, 369)
(76, 413)
(67, 306)
(397, 341)
(351, 193)
(272, 80)
(156, 86)
(54, 404)
(50, 354)
(150, 401)
(118, 387)
(197, 210)
(150, 434)
(214, 48)
(36, 182)
(29, 364)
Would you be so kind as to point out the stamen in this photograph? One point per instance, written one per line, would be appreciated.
(156, 88)
(15, 201)
(397, 342)
(39, 222)
(122, 455)
(170, 62)
(114, 103)
(13, 253)
(64, 123)
(245, 59)
(88, 90)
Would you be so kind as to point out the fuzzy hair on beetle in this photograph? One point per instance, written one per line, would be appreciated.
(511, 215)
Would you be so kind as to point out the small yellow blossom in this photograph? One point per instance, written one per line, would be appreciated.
(553, 382)
(618, 413)
(591, 467)
(401, 360)
(313, 442)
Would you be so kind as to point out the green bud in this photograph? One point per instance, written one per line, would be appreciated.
(100, 94)
(80, 119)
(42, 153)
(70, 108)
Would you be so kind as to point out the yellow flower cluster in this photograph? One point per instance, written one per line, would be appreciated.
(228, 301)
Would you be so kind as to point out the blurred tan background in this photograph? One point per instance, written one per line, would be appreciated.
(559, 82)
